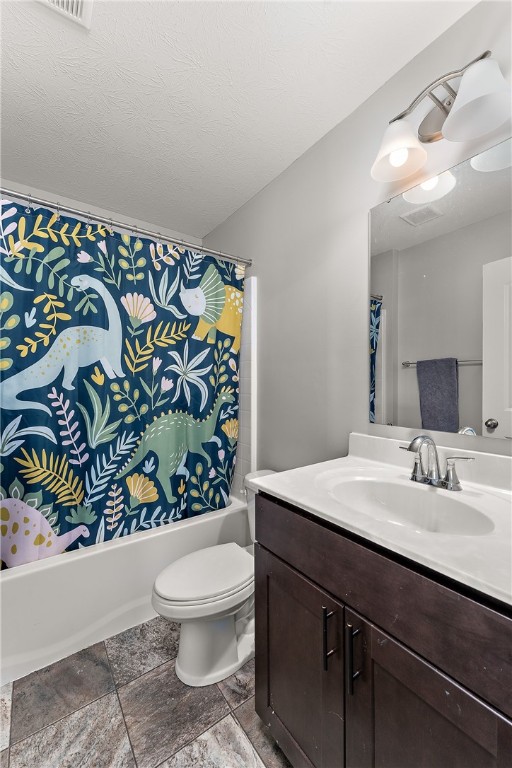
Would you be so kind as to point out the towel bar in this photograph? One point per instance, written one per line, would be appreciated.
(411, 364)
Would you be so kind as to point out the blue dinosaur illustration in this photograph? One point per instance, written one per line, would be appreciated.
(74, 348)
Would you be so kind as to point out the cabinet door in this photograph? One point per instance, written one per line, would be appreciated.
(299, 664)
(403, 712)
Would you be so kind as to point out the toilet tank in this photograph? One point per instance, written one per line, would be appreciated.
(251, 491)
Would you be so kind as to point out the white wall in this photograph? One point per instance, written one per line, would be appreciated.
(307, 233)
(439, 311)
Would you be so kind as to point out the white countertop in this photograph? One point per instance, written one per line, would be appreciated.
(483, 561)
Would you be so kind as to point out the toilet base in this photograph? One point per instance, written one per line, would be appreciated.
(210, 651)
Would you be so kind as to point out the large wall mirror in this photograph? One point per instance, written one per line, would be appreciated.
(441, 301)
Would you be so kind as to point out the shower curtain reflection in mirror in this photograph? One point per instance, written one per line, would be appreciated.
(375, 310)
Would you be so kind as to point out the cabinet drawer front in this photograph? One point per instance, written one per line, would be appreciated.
(469, 641)
(449, 700)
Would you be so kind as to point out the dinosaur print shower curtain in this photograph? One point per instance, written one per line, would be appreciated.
(119, 382)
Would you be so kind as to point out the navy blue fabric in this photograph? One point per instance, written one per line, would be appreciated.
(438, 384)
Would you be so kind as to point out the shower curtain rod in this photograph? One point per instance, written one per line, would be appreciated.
(31, 200)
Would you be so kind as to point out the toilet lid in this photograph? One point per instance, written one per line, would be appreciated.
(206, 574)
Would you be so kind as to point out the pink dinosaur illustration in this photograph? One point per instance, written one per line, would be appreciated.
(26, 535)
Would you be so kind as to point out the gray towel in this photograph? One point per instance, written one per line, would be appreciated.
(438, 383)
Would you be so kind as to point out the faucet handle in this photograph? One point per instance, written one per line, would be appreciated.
(418, 473)
(451, 481)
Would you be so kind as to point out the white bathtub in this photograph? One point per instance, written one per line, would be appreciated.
(55, 607)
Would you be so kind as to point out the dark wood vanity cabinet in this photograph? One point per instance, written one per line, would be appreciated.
(301, 627)
(363, 662)
(404, 712)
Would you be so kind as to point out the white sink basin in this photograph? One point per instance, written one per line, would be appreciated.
(424, 508)
(465, 535)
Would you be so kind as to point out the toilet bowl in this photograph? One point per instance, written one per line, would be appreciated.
(211, 593)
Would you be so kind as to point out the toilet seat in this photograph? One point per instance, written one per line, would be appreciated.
(208, 609)
(209, 600)
(206, 576)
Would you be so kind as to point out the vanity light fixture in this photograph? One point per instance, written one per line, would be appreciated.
(482, 104)
(494, 159)
(400, 153)
(432, 189)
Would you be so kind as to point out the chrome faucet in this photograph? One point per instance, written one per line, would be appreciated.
(432, 476)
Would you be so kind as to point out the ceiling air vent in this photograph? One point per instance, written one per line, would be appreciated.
(79, 11)
(420, 216)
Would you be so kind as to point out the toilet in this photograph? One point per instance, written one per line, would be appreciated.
(211, 593)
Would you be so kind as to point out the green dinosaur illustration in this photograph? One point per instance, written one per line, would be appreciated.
(173, 434)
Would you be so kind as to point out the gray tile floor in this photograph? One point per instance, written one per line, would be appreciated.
(119, 704)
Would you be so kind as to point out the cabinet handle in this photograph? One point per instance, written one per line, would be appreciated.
(326, 615)
(350, 675)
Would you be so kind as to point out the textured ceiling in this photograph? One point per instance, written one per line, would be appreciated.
(177, 113)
